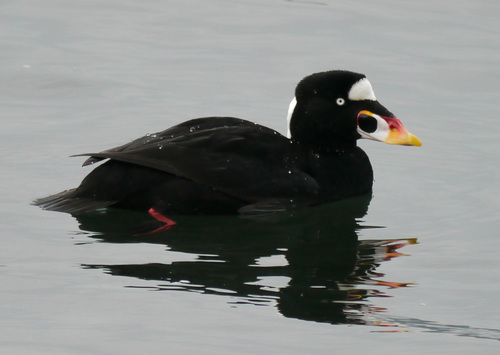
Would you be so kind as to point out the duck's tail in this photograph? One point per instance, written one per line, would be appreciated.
(65, 201)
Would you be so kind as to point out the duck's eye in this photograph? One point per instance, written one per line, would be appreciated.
(340, 101)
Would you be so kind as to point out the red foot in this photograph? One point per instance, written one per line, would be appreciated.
(168, 222)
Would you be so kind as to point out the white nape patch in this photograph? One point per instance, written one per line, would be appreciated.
(291, 108)
(362, 90)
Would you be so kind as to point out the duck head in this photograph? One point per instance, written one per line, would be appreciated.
(332, 110)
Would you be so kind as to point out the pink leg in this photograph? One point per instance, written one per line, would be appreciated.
(160, 217)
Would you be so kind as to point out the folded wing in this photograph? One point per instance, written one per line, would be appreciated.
(234, 156)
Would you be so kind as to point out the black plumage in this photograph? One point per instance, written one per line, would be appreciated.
(227, 165)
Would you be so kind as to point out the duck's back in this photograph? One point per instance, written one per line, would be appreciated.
(206, 165)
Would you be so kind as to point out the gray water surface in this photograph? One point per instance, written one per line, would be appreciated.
(86, 76)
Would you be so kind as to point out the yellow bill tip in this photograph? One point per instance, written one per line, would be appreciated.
(414, 140)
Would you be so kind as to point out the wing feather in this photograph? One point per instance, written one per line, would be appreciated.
(234, 156)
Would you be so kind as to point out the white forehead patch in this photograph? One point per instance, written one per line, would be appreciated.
(361, 90)
(291, 108)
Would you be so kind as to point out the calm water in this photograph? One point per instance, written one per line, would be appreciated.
(413, 269)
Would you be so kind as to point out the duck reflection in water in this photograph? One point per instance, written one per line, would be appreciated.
(308, 262)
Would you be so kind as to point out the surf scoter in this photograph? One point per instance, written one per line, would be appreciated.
(223, 165)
